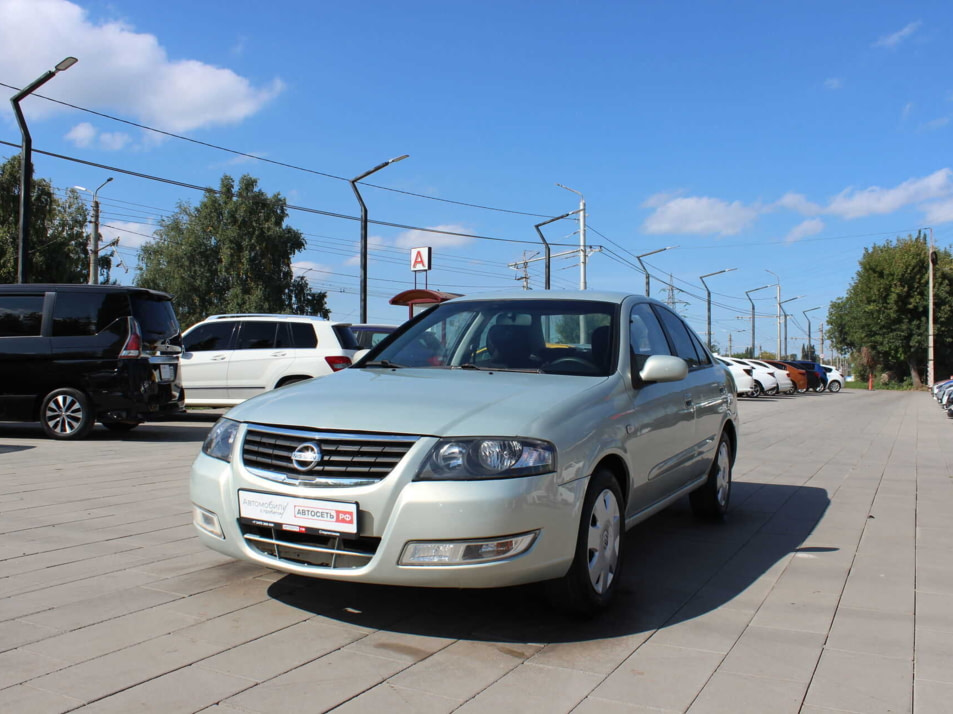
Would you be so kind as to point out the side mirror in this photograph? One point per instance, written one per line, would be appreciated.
(663, 368)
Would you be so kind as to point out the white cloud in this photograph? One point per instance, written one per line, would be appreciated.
(810, 227)
(114, 141)
(798, 202)
(82, 135)
(834, 83)
(700, 215)
(130, 235)
(851, 203)
(939, 212)
(894, 40)
(906, 111)
(310, 269)
(660, 199)
(423, 238)
(935, 124)
(119, 70)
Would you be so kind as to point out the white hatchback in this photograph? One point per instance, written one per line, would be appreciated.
(227, 359)
(835, 379)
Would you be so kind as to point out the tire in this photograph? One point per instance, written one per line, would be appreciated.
(834, 387)
(120, 425)
(757, 390)
(773, 391)
(802, 391)
(819, 388)
(791, 391)
(66, 414)
(711, 500)
(587, 588)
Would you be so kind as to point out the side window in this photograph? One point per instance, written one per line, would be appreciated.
(703, 358)
(21, 315)
(645, 333)
(302, 336)
(254, 335)
(680, 336)
(208, 337)
(78, 314)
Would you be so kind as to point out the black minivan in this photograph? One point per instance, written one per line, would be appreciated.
(72, 355)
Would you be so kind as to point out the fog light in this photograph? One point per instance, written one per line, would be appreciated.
(466, 552)
(206, 521)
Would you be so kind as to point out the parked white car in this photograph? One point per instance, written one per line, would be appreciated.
(744, 382)
(499, 439)
(228, 358)
(835, 380)
(785, 383)
(764, 380)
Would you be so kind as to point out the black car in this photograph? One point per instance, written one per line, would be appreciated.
(71, 355)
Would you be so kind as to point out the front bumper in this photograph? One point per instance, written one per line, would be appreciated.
(396, 511)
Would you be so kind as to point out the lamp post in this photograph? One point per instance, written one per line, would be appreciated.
(778, 280)
(646, 270)
(810, 352)
(748, 294)
(708, 298)
(360, 200)
(26, 168)
(94, 238)
(784, 312)
(582, 235)
(931, 259)
(546, 248)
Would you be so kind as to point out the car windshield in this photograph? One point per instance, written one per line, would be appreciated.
(551, 336)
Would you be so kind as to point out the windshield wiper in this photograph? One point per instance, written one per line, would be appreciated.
(384, 363)
(470, 365)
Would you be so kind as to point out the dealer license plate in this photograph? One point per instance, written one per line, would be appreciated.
(300, 515)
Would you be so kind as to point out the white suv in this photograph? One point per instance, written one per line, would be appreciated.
(228, 358)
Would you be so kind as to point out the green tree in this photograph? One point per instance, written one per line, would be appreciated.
(58, 244)
(886, 306)
(231, 253)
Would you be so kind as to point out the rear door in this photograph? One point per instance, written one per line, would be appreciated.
(260, 358)
(24, 354)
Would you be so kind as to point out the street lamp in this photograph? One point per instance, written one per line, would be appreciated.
(94, 238)
(646, 270)
(748, 293)
(786, 322)
(26, 168)
(804, 312)
(582, 235)
(708, 294)
(778, 279)
(360, 200)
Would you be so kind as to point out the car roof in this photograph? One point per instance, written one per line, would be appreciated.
(80, 287)
(531, 295)
(272, 316)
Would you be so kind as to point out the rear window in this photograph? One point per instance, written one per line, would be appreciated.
(155, 316)
(77, 314)
(346, 337)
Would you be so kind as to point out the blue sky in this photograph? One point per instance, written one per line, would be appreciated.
(755, 136)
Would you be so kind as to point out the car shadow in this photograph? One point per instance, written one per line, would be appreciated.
(168, 431)
(675, 568)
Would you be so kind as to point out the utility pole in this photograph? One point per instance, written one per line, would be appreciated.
(932, 264)
(582, 236)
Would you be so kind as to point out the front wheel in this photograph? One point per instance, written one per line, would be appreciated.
(820, 388)
(66, 414)
(593, 577)
(711, 500)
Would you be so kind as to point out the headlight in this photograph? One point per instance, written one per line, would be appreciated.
(218, 443)
(488, 457)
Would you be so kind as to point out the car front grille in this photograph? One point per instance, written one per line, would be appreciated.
(345, 459)
(311, 550)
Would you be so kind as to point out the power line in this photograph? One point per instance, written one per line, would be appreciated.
(270, 161)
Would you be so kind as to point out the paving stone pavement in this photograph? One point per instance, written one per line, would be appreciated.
(829, 589)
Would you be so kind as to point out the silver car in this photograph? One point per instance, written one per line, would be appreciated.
(495, 440)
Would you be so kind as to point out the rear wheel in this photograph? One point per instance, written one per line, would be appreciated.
(593, 577)
(757, 390)
(711, 500)
(66, 414)
(833, 387)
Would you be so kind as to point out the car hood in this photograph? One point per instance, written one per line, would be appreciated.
(436, 402)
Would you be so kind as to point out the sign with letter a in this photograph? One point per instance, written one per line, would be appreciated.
(420, 258)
